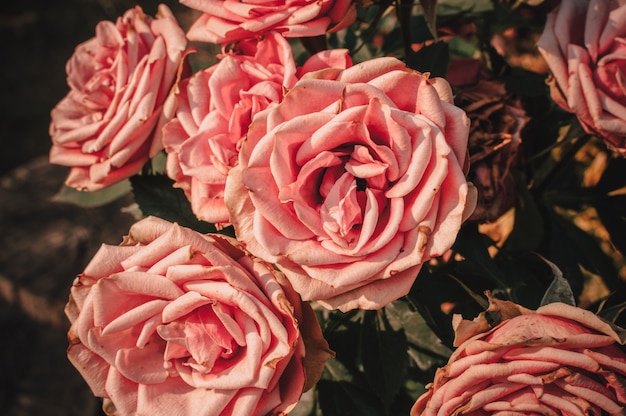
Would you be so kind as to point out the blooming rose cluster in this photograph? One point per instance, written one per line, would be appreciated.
(557, 360)
(584, 44)
(340, 181)
(215, 107)
(108, 125)
(172, 322)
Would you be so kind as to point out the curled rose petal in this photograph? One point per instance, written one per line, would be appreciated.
(213, 331)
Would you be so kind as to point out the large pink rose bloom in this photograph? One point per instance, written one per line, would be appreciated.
(215, 107)
(224, 21)
(353, 181)
(105, 128)
(173, 322)
(557, 360)
(584, 44)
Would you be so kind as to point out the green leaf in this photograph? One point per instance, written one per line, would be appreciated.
(341, 393)
(613, 180)
(571, 247)
(611, 202)
(432, 58)
(473, 246)
(612, 213)
(470, 9)
(559, 290)
(156, 195)
(559, 169)
(429, 8)
(87, 199)
(613, 313)
(384, 356)
(425, 349)
(430, 290)
(525, 83)
(403, 12)
(374, 14)
(528, 229)
(479, 298)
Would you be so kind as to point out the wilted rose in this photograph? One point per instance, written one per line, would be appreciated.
(173, 322)
(106, 127)
(353, 181)
(215, 107)
(494, 141)
(557, 360)
(224, 21)
(584, 44)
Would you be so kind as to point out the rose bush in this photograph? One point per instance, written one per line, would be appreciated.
(353, 181)
(106, 127)
(224, 21)
(557, 360)
(584, 44)
(215, 107)
(175, 322)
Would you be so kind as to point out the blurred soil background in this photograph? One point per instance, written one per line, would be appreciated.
(44, 244)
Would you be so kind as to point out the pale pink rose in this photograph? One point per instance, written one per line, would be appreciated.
(584, 44)
(215, 107)
(224, 21)
(557, 360)
(173, 322)
(353, 181)
(105, 128)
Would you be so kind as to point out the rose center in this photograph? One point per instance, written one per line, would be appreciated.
(348, 199)
(361, 184)
(200, 340)
(609, 73)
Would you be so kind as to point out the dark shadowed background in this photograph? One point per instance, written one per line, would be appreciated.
(43, 243)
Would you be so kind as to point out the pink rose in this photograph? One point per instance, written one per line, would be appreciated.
(215, 108)
(105, 127)
(225, 21)
(584, 44)
(353, 181)
(173, 322)
(557, 360)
